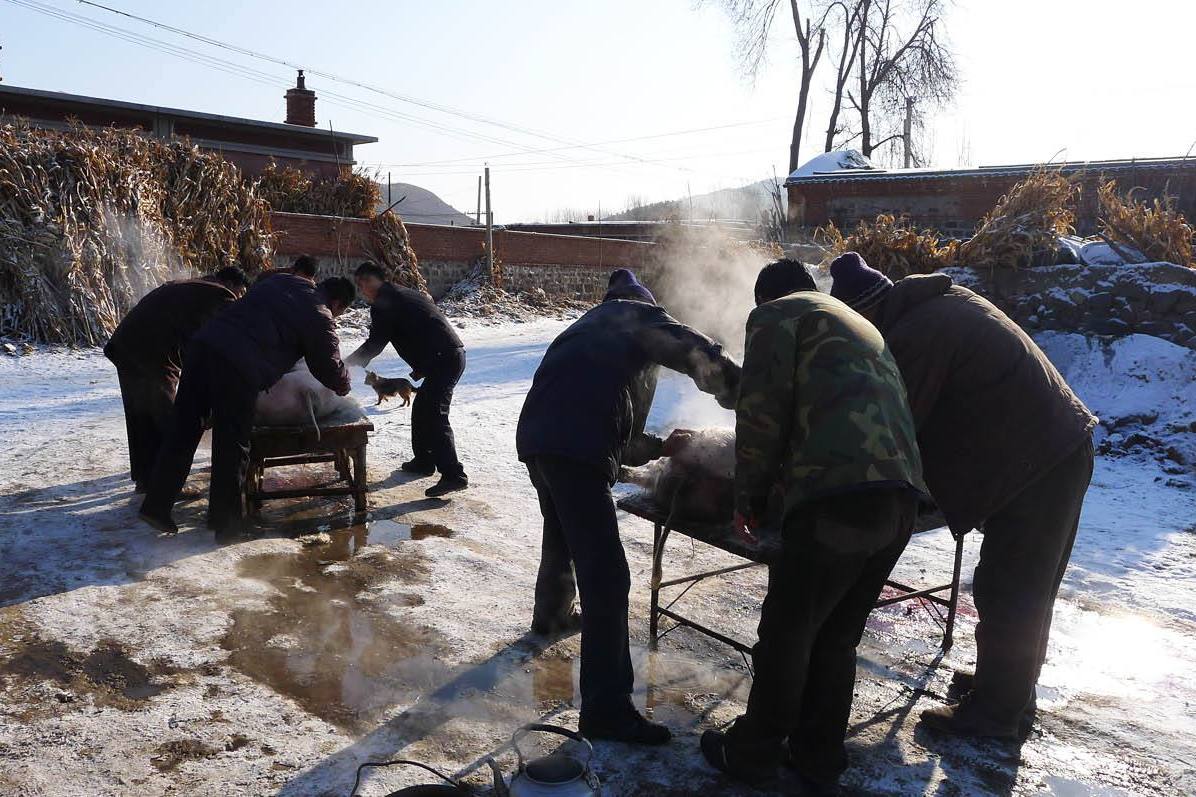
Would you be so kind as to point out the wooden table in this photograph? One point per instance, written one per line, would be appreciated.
(342, 440)
(764, 551)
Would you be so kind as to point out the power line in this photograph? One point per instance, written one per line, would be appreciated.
(446, 109)
(341, 100)
(690, 131)
(249, 73)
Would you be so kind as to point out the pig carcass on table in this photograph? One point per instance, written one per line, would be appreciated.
(299, 399)
(698, 482)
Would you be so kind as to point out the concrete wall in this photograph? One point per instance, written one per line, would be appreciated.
(560, 265)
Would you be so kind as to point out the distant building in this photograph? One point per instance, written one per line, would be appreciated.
(249, 143)
(952, 201)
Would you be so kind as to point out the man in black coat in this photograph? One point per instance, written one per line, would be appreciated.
(424, 338)
(583, 418)
(147, 350)
(235, 356)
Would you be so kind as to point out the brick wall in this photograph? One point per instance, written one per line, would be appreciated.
(953, 205)
(561, 265)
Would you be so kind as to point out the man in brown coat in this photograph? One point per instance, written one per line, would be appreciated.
(147, 350)
(1007, 448)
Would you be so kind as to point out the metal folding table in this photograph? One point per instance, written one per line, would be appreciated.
(341, 439)
(763, 551)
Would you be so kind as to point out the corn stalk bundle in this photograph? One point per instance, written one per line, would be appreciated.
(1025, 222)
(392, 250)
(891, 246)
(290, 190)
(91, 220)
(1157, 230)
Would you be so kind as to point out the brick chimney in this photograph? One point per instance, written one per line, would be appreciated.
(301, 104)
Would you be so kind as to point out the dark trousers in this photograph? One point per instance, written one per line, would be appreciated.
(148, 399)
(431, 435)
(836, 555)
(581, 536)
(1025, 551)
(209, 386)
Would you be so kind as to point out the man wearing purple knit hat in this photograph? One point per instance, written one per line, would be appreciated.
(1007, 448)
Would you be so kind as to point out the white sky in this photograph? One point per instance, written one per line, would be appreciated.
(1093, 79)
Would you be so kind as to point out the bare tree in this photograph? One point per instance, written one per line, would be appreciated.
(753, 20)
(900, 56)
(848, 50)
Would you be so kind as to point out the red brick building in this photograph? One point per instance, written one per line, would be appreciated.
(249, 143)
(952, 201)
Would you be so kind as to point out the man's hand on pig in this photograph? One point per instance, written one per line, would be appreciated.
(677, 441)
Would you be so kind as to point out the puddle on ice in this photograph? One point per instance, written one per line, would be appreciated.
(388, 532)
(326, 641)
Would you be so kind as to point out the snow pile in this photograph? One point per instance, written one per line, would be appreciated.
(473, 299)
(1141, 387)
(845, 160)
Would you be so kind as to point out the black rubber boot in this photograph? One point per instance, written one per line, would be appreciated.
(623, 724)
(446, 485)
(163, 523)
(558, 627)
(724, 757)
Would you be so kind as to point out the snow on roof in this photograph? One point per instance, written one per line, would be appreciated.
(828, 162)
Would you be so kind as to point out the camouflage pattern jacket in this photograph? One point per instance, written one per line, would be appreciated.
(822, 409)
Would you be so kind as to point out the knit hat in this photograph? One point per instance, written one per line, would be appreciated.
(857, 284)
(624, 285)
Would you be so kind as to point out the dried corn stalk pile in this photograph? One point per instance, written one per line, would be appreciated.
(1025, 222)
(891, 246)
(1157, 230)
(91, 220)
(392, 250)
(289, 190)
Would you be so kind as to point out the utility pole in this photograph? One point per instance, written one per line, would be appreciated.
(489, 231)
(477, 219)
(908, 135)
(389, 191)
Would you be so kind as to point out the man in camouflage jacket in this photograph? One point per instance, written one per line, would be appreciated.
(823, 417)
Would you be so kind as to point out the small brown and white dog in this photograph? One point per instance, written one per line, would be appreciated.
(386, 388)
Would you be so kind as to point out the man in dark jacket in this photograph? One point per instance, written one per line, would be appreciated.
(410, 321)
(822, 414)
(147, 350)
(584, 417)
(236, 355)
(1008, 449)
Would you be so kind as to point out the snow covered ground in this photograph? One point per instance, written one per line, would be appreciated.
(132, 663)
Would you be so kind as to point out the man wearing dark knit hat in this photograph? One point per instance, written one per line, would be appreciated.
(821, 415)
(1007, 448)
(583, 419)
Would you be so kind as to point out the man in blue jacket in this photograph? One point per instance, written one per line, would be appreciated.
(584, 417)
(239, 353)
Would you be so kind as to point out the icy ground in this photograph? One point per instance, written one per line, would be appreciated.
(135, 664)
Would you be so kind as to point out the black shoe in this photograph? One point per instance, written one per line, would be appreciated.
(417, 467)
(162, 523)
(625, 725)
(714, 749)
(961, 687)
(811, 786)
(139, 487)
(446, 485)
(557, 627)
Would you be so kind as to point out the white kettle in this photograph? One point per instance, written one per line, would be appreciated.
(555, 775)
